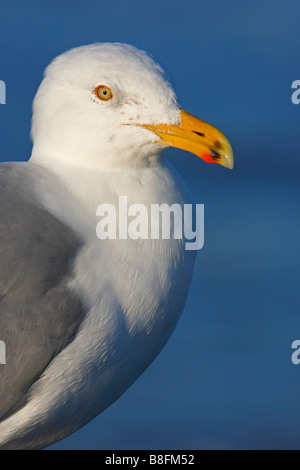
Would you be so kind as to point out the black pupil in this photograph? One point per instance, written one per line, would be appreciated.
(104, 92)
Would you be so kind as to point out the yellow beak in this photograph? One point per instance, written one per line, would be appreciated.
(197, 137)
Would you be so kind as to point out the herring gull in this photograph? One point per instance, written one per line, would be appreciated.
(82, 318)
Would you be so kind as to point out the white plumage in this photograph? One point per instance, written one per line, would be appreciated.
(87, 152)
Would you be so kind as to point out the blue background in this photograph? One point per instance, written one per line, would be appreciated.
(225, 379)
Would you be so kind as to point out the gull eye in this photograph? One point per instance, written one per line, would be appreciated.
(103, 93)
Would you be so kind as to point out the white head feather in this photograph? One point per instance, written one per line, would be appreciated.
(72, 126)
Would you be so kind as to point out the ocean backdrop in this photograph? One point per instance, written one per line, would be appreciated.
(225, 379)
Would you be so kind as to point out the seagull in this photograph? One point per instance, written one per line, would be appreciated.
(82, 317)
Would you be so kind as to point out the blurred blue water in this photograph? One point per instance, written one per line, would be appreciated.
(225, 380)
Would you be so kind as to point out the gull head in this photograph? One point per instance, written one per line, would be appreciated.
(107, 106)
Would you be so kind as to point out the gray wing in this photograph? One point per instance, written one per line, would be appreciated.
(39, 316)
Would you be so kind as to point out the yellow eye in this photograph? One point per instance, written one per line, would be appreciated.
(103, 93)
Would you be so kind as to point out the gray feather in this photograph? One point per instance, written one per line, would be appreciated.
(39, 315)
